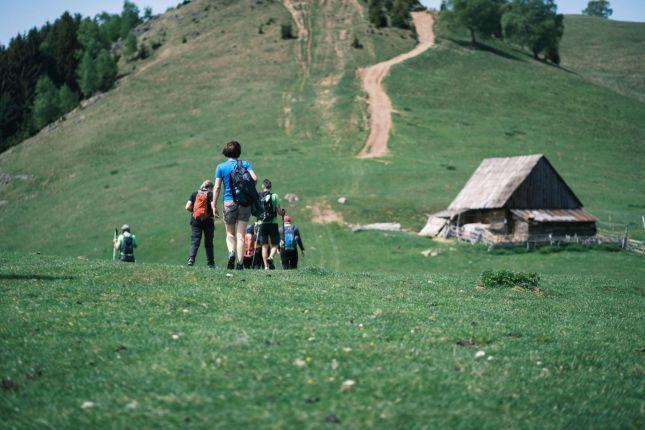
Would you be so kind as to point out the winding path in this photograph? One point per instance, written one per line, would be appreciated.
(379, 104)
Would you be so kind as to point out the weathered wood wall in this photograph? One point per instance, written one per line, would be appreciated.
(543, 189)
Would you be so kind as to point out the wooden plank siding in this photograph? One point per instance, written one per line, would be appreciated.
(543, 188)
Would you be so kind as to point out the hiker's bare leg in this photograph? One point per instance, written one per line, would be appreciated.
(230, 237)
(241, 231)
(274, 250)
(265, 255)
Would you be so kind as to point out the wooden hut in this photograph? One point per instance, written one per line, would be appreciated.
(515, 199)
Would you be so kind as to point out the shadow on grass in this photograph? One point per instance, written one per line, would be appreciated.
(482, 47)
(12, 276)
(520, 55)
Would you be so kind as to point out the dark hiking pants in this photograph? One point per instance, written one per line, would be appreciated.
(197, 227)
(289, 259)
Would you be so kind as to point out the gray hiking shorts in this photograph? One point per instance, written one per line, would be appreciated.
(234, 212)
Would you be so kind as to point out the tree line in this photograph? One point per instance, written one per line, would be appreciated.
(395, 13)
(530, 24)
(45, 72)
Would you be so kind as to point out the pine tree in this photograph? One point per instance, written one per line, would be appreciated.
(129, 17)
(46, 108)
(89, 36)
(376, 13)
(86, 73)
(147, 13)
(67, 99)
(106, 70)
(130, 45)
(400, 14)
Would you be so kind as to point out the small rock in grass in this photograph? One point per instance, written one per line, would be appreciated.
(347, 349)
(347, 385)
(342, 200)
(300, 362)
(175, 336)
(87, 405)
(229, 275)
(8, 384)
(334, 364)
(132, 405)
(479, 354)
(332, 419)
(490, 357)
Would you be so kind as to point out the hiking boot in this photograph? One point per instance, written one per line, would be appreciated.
(190, 262)
(211, 265)
(271, 265)
(239, 266)
(230, 264)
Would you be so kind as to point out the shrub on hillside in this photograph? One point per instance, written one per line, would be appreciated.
(286, 31)
(510, 279)
(356, 44)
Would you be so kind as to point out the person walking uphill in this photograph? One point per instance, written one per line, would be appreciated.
(202, 208)
(268, 231)
(291, 240)
(125, 244)
(237, 179)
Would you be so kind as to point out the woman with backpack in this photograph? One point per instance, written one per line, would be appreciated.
(237, 178)
(201, 206)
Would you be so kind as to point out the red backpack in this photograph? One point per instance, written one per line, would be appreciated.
(249, 245)
(200, 208)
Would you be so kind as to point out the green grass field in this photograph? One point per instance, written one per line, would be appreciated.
(606, 52)
(136, 155)
(159, 346)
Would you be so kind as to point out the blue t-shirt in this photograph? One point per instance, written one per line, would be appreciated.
(223, 172)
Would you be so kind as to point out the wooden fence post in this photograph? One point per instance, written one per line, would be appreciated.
(624, 243)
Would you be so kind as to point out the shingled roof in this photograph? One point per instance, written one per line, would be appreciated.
(496, 180)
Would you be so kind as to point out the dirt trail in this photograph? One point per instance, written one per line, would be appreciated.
(296, 9)
(380, 106)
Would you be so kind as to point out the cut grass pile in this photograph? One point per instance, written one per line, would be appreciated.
(95, 344)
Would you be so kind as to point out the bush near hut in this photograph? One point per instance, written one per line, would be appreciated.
(510, 279)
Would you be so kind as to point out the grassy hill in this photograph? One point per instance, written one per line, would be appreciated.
(606, 52)
(136, 154)
(166, 346)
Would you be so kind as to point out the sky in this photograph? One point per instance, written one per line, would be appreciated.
(18, 16)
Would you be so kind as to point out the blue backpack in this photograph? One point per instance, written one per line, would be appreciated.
(290, 238)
